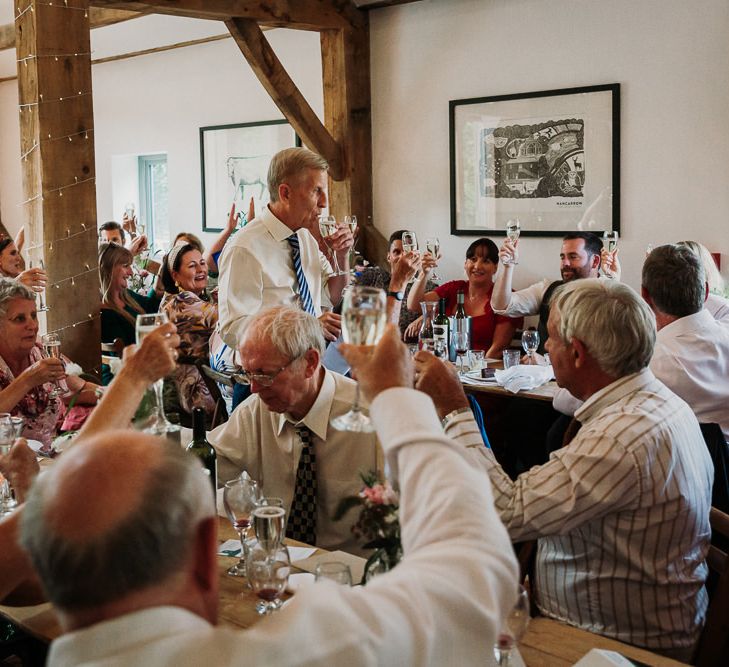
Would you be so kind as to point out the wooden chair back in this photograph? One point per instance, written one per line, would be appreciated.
(713, 648)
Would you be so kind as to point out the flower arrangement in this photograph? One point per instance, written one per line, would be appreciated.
(378, 523)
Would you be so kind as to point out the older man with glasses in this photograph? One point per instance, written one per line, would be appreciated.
(281, 434)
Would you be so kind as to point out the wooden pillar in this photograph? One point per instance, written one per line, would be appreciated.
(57, 156)
(347, 116)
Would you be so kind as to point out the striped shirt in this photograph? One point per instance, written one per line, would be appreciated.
(621, 513)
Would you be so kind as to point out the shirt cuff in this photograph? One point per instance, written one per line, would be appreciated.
(399, 414)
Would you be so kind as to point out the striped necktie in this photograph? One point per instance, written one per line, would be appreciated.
(301, 525)
(304, 295)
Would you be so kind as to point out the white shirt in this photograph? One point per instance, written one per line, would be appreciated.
(718, 306)
(692, 358)
(257, 272)
(621, 513)
(526, 301)
(267, 446)
(442, 605)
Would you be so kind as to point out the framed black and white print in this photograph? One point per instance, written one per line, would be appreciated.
(234, 163)
(550, 159)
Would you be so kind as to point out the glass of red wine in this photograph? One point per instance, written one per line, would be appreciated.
(239, 499)
(268, 574)
(460, 342)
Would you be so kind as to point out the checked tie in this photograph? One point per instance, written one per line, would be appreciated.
(306, 303)
(302, 517)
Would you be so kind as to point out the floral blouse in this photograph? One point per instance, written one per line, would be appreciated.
(43, 414)
(195, 320)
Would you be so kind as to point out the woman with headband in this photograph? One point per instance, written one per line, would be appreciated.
(188, 305)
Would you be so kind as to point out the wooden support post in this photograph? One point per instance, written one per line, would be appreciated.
(57, 156)
(347, 114)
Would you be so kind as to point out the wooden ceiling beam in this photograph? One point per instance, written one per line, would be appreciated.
(98, 18)
(283, 91)
(300, 14)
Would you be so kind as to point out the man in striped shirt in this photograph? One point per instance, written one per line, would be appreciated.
(622, 511)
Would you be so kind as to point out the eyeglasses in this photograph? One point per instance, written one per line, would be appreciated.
(242, 376)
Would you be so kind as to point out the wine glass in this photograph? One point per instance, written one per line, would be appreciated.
(513, 629)
(460, 342)
(363, 321)
(42, 307)
(269, 523)
(335, 571)
(327, 227)
(610, 239)
(409, 242)
(7, 502)
(530, 343)
(52, 347)
(268, 574)
(239, 499)
(432, 245)
(513, 229)
(157, 422)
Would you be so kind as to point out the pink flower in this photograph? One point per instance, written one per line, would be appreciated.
(380, 494)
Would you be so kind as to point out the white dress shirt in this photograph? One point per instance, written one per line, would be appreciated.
(527, 301)
(692, 359)
(267, 446)
(621, 513)
(718, 306)
(442, 605)
(257, 272)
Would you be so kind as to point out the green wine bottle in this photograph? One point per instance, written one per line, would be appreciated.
(201, 448)
(441, 330)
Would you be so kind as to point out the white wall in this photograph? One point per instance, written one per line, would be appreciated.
(156, 104)
(671, 58)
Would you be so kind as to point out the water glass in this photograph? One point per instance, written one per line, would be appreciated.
(335, 571)
(511, 358)
(478, 359)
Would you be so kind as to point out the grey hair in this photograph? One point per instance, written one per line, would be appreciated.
(674, 278)
(292, 331)
(288, 165)
(612, 320)
(148, 546)
(12, 289)
(713, 275)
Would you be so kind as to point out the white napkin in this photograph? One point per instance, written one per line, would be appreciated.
(524, 377)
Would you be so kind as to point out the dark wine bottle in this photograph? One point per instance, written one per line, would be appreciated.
(441, 330)
(201, 448)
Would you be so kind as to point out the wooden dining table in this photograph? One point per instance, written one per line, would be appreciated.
(547, 643)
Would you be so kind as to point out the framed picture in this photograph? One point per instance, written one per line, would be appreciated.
(550, 159)
(234, 163)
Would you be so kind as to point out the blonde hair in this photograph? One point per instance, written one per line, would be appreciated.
(713, 277)
(111, 255)
(289, 165)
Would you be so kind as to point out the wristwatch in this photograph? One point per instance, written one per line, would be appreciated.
(397, 295)
(453, 414)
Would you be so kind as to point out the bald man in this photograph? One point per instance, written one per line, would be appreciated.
(133, 574)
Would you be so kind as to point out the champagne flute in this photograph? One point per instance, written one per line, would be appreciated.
(611, 240)
(42, 307)
(327, 227)
(513, 629)
(268, 574)
(432, 245)
(239, 499)
(351, 222)
(530, 343)
(460, 342)
(269, 524)
(513, 230)
(157, 423)
(363, 322)
(409, 242)
(7, 502)
(52, 347)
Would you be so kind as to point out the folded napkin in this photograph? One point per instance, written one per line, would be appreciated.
(524, 377)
